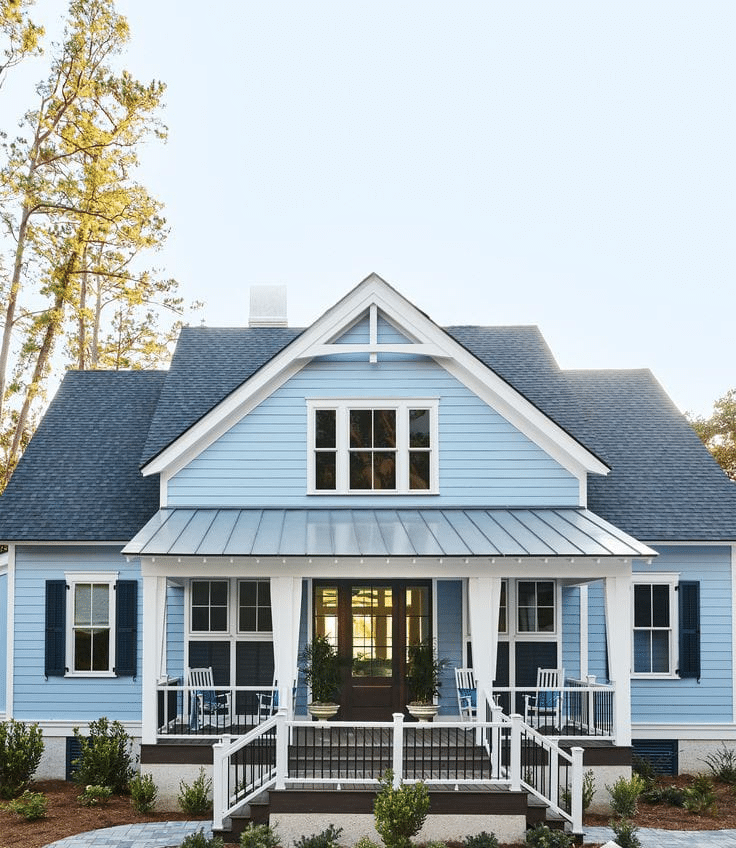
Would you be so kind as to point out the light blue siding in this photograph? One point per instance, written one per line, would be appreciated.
(571, 630)
(262, 460)
(175, 632)
(3, 640)
(360, 333)
(449, 639)
(711, 698)
(597, 664)
(73, 699)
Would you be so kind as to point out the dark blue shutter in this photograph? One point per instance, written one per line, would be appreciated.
(689, 603)
(126, 628)
(55, 662)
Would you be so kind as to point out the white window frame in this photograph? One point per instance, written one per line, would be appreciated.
(78, 578)
(670, 580)
(228, 606)
(342, 406)
(253, 635)
(527, 634)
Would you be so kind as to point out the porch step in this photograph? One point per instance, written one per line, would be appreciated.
(256, 812)
(538, 813)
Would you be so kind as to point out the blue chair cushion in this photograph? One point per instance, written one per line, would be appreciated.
(469, 694)
(547, 700)
(211, 701)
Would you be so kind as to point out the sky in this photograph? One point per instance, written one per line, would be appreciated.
(564, 164)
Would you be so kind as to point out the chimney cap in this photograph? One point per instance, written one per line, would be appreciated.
(268, 306)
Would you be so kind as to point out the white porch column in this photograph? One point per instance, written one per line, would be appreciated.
(286, 602)
(618, 639)
(154, 600)
(484, 599)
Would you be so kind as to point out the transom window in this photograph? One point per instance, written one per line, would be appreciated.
(91, 611)
(361, 447)
(654, 625)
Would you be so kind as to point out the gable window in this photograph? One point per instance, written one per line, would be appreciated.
(368, 446)
(655, 625)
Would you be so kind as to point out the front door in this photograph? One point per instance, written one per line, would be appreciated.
(373, 622)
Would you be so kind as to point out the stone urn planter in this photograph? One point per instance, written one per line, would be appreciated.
(322, 712)
(423, 712)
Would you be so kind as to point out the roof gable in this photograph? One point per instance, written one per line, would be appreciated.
(374, 304)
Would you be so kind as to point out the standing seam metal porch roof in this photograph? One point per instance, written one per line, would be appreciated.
(382, 532)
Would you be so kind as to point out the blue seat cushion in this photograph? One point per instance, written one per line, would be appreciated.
(211, 701)
(469, 694)
(547, 700)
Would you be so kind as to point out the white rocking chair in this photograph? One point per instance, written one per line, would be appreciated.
(545, 708)
(466, 693)
(208, 706)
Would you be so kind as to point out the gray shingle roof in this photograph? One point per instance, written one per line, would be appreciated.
(79, 478)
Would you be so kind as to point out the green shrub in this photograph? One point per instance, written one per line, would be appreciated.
(625, 794)
(400, 813)
(365, 842)
(626, 831)
(664, 795)
(195, 799)
(588, 792)
(30, 805)
(326, 839)
(543, 836)
(259, 836)
(143, 792)
(480, 840)
(94, 796)
(106, 756)
(723, 764)
(644, 768)
(199, 840)
(700, 797)
(21, 747)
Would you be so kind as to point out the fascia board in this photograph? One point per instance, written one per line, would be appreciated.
(450, 354)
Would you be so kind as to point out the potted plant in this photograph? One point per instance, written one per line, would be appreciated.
(423, 674)
(320, 666)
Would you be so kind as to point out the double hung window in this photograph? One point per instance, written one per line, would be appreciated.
(91, 615)
(382, 447)
(655, 624)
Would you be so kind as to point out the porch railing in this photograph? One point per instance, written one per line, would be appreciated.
(502, 752)
(580, 708)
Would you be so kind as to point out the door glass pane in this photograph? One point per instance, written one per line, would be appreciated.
(417, 614)
(372, 631)
(325, 612)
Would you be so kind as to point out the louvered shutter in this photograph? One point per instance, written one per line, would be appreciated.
(126, 628)
(55, 660)
(689, 607)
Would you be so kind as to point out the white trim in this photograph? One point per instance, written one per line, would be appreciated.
(431, 340)
(9, 671)
(402, 406)
(649, 730)
(23, 543)
(73, 579)
(657, 578)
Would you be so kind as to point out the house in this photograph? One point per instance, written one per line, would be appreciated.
(384, 481)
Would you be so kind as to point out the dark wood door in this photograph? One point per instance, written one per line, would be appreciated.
(374, 621)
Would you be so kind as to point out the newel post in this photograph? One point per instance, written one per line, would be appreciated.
(220, 770)
(515, 752)
(282, 749)
(576, 791)
(398, 749)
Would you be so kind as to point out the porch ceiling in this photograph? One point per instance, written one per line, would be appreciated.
(383, 532)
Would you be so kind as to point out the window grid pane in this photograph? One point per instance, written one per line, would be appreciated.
(536, 606)
(254, 606)
(91, 629)
(209, 605)
(652, 630)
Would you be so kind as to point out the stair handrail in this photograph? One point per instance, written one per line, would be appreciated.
(225, 802)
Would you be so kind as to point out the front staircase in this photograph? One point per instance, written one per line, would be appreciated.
(498, 767)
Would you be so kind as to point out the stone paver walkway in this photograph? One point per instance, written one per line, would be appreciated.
(656, 838)
(149, 835)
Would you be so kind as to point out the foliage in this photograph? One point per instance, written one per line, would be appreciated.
(94, 796)
(326, 839)
(543, 836)
(400, 812)
(78, 224)
(588, 792)
(664, 795)
(106, 756)
(718, 433)
(365, 842)
(700, 797)
(195, 799)
(143, 792)
(625, 794)
(20, 35)
(480, 840)
(199, 840)
(626, 831)
(424, 672)
(722, 764)
(320, 666)
(21, 747)
(259, 836)
(644, 768)
(30, 805)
